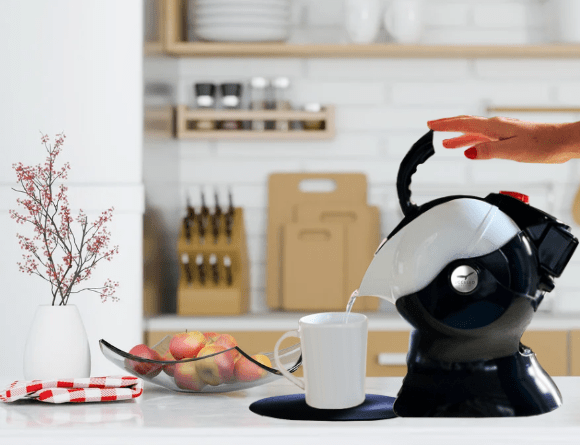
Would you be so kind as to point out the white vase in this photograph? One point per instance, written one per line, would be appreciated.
(567, 16)
(57, 346)
(404, 20)
(362, 20)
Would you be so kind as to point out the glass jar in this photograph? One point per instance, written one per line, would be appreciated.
(281, 98)
(231, 100)
(205, 99)
(258, 87)
(315, 124)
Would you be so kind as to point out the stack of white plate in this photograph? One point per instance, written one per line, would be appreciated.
(240, 20)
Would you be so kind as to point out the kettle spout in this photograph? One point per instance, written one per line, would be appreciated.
(375, 282)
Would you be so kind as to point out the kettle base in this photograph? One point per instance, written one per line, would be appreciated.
(515, 385)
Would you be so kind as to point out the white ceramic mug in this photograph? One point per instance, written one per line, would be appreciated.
(334, 351)
(362, 20)
(404, 20)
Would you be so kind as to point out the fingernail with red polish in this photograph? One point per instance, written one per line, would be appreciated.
(471, 153)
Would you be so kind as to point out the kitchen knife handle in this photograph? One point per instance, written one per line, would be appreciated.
(420, 151)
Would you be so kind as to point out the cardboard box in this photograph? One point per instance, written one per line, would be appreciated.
(361, 225)
(313, 270)
(289, 201)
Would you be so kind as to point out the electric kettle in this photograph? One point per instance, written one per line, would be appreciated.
(468, 273)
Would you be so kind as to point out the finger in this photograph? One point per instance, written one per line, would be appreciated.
(506, 149)
(445, 123)
(465, 140)
(444, 119)
(462, 124)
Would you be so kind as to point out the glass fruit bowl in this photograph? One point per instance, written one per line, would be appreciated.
(209, 374)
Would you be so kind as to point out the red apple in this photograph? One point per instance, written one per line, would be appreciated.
(211, 337)
(217, 369)
(187, 377)
(228, 341)
(143, 368)
(186, 344)
(247, 371)
(168, 369)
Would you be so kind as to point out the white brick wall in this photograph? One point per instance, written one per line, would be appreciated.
(382, 106)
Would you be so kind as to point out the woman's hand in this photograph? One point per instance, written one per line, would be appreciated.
(506, 138)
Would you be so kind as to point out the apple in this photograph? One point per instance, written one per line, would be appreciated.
(143, 368)
(168, 369)
(228, 341)
(186, 344)
(247, 371)
(217, 369)
(187, 377)
(211, 337)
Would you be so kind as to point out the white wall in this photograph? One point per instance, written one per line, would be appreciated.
(74, 66)
(382, 106)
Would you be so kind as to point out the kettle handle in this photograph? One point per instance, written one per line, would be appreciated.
(418, 154)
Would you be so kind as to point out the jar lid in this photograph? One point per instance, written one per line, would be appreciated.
(205, 89)
(259, 82)
(230, 101)
(312, 107)
(231, 89)
(281, 82)
(205, 101)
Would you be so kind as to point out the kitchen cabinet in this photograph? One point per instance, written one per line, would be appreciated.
(551, 348)
(386, 350)
(575, 352)
(387, 353)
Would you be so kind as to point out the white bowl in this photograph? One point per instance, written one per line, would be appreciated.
(241, 21)
(235, 11)
(244, 33)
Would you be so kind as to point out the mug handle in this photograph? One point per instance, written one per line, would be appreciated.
(281, 368)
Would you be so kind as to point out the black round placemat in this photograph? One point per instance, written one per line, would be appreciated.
(294, 407)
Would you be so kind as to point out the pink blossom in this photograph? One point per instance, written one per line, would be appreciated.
(78, 244)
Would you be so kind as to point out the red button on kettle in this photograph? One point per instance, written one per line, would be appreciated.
(524, 198)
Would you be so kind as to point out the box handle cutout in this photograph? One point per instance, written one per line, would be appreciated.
(314, 235)
(317, 185)
(338, 217)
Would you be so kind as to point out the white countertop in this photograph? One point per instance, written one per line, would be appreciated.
(285, 321)
(160, 416)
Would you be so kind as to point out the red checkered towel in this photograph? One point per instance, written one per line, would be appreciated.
(93, 389)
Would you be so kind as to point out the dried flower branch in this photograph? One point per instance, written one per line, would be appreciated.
(57, 253)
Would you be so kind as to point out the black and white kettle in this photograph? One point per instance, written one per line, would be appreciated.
(468, 273)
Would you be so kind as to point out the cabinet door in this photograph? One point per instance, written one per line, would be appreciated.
(551, 348)
(386, 350)
(575, 352)
(387, 353)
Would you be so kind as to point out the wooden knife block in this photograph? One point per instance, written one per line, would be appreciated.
(210, 298)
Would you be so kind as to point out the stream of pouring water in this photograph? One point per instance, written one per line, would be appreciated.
(350, 303)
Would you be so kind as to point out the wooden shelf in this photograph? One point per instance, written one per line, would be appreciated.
(184, 118)
(172, 26)
(377, 50)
